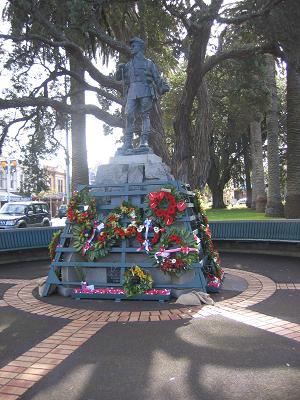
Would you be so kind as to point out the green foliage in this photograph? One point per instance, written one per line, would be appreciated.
(180, 261)
(35, 176)
(54, 243)
(136, 281)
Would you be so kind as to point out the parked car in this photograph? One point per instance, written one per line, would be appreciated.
(242, 201)
(62, 211)
(24, 214)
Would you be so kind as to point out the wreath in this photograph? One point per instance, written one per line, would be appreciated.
(148, 235)
(54, 244)
(126, 211)
(213, 263)
(165, 205)
(93, 239)
(81, 208)
(136, 281)
(176, 251)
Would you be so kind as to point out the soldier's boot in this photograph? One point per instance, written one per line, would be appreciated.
(144, 140)
(128, 141)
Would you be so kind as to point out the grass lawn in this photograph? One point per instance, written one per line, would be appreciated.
(234, 213)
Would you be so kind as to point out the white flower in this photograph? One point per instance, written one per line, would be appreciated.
(173, 261)
(140, 228)
(156, 229)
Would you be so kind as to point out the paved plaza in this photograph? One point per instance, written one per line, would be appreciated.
(246, 346)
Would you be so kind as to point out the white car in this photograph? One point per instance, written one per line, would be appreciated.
(242, 201)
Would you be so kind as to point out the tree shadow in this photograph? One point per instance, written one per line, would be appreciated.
(211, 358)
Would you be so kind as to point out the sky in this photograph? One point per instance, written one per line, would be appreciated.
(99, 146)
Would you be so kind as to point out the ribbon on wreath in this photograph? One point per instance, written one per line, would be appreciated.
(146, 245)
(166, 253)
(97, 228)
(147, 225)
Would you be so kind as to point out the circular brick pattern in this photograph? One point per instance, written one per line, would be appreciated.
(20, 296)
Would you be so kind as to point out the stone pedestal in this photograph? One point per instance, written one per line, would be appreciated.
(127, 178)
(135, 168)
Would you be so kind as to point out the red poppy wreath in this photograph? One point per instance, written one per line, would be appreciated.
(165, 205)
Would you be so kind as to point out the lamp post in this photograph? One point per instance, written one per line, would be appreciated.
(67, 164)
(67, 152)
(8, 165)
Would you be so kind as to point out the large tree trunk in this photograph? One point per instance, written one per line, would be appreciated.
(201, 139)
(247, 165)
(80, 171)
(216, 183)
(217, 195)
(258, 167)
(184, 149)
(274, 205)
(292, 206)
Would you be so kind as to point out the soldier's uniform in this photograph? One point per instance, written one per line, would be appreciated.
(141, 80)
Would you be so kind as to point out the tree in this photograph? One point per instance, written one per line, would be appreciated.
(197, 21)
(258, 167)
(35, 176)
(237, 92)
(281, 25)
(274, 206)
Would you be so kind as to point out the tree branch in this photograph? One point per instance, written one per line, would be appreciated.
(92, 88)
(75, 51)
(6, 126)
(241, 53)
(111, 42)
(63, 108)
(180, 15)
(246, 17)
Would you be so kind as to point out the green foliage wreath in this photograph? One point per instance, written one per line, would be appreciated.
(176, 251)
(136, 281)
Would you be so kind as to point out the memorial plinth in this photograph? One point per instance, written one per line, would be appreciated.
(127, 178)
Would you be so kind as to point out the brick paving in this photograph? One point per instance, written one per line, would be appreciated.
(30, 367)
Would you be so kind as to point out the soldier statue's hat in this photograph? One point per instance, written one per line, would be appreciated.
(137, 40)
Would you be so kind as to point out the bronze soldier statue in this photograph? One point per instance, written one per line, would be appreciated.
(141, 81)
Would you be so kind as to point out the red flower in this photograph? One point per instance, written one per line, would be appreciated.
(155, 238)
(161, 195)
(102, 238)
(179, 264)
(175, 238)
(169, 220)
(160, 213)
(171, 210)
(131, 230)
(152, 196)
(119, 232)
(139, 237)
(153, 204)
(181, 205)
(171, 199)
